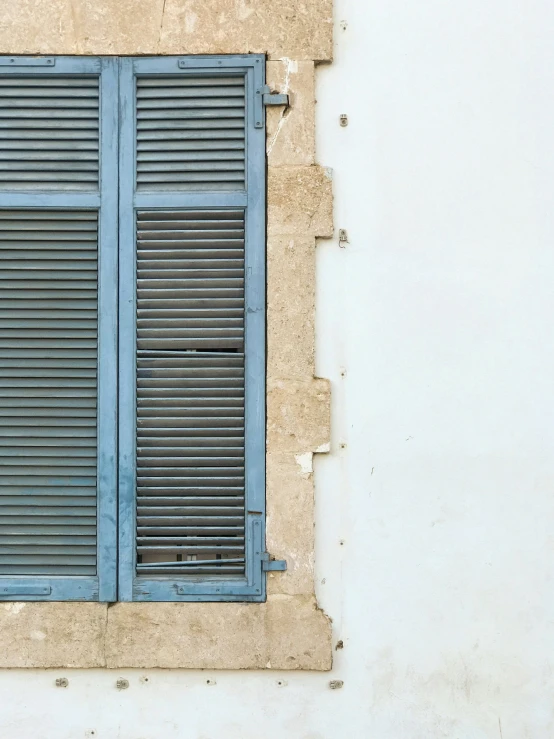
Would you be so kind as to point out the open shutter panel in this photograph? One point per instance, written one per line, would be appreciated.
(193, 489)
(51, 435)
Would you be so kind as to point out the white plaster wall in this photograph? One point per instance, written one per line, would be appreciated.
(440, 315)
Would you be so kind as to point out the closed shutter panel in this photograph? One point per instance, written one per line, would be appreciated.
(48, 359)
(190, 392)
(55, 479)
(49, 132)
(192, 333)
(191, 133)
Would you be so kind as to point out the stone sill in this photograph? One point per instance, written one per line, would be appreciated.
(286, 633)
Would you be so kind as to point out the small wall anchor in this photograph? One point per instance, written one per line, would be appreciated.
(343, 238)
(343, 120)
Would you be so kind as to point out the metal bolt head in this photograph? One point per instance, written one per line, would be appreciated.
(62, 682)
(122, 684)
(343, 120)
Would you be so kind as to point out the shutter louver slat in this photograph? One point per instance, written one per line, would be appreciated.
(48, 386)
(49, 133)
(191, 133)
(190, 393)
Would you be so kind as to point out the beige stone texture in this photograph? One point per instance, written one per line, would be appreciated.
(298, 415)
(296, 29)
(291, 130)
(298, 634)
(290, 306)
(290, 521)
(283, 633)
(300, 201)
(52, 634)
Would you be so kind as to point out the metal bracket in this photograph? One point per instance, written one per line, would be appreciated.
(273, 98)
(264, 96)
(273, 565)
(25, 590)
(29, 61)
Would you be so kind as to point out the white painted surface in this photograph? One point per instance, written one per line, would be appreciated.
(439, 313)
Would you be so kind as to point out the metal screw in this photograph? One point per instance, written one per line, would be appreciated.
(343, 237)
(343, 119)
(122, 684)
(336, 684)
(62, 682)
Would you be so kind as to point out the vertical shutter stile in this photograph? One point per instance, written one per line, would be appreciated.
(53, 545)
(192, 484)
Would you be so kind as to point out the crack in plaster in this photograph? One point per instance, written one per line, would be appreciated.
(291, 66)
(161, 25)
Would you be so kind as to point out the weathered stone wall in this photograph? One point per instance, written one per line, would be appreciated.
(289, 631)
(297, 29)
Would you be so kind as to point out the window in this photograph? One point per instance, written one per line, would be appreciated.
(132, 328)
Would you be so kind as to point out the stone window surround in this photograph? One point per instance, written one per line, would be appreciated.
(289, 631)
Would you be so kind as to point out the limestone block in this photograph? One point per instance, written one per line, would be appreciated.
(225, 636)
(291, 131)
(298, 415)
(52, 634)
(298, 634)
(195, 635)
(290, 521)
(298, 29)
(81, 27)
(290, 306)
(300, 201)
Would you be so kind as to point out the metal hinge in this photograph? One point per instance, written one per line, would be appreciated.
(273, 565)
(273, 98)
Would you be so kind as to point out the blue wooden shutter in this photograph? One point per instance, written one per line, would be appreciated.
(58, 264)
(192, 329)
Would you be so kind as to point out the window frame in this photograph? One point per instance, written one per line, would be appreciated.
(116, 203)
